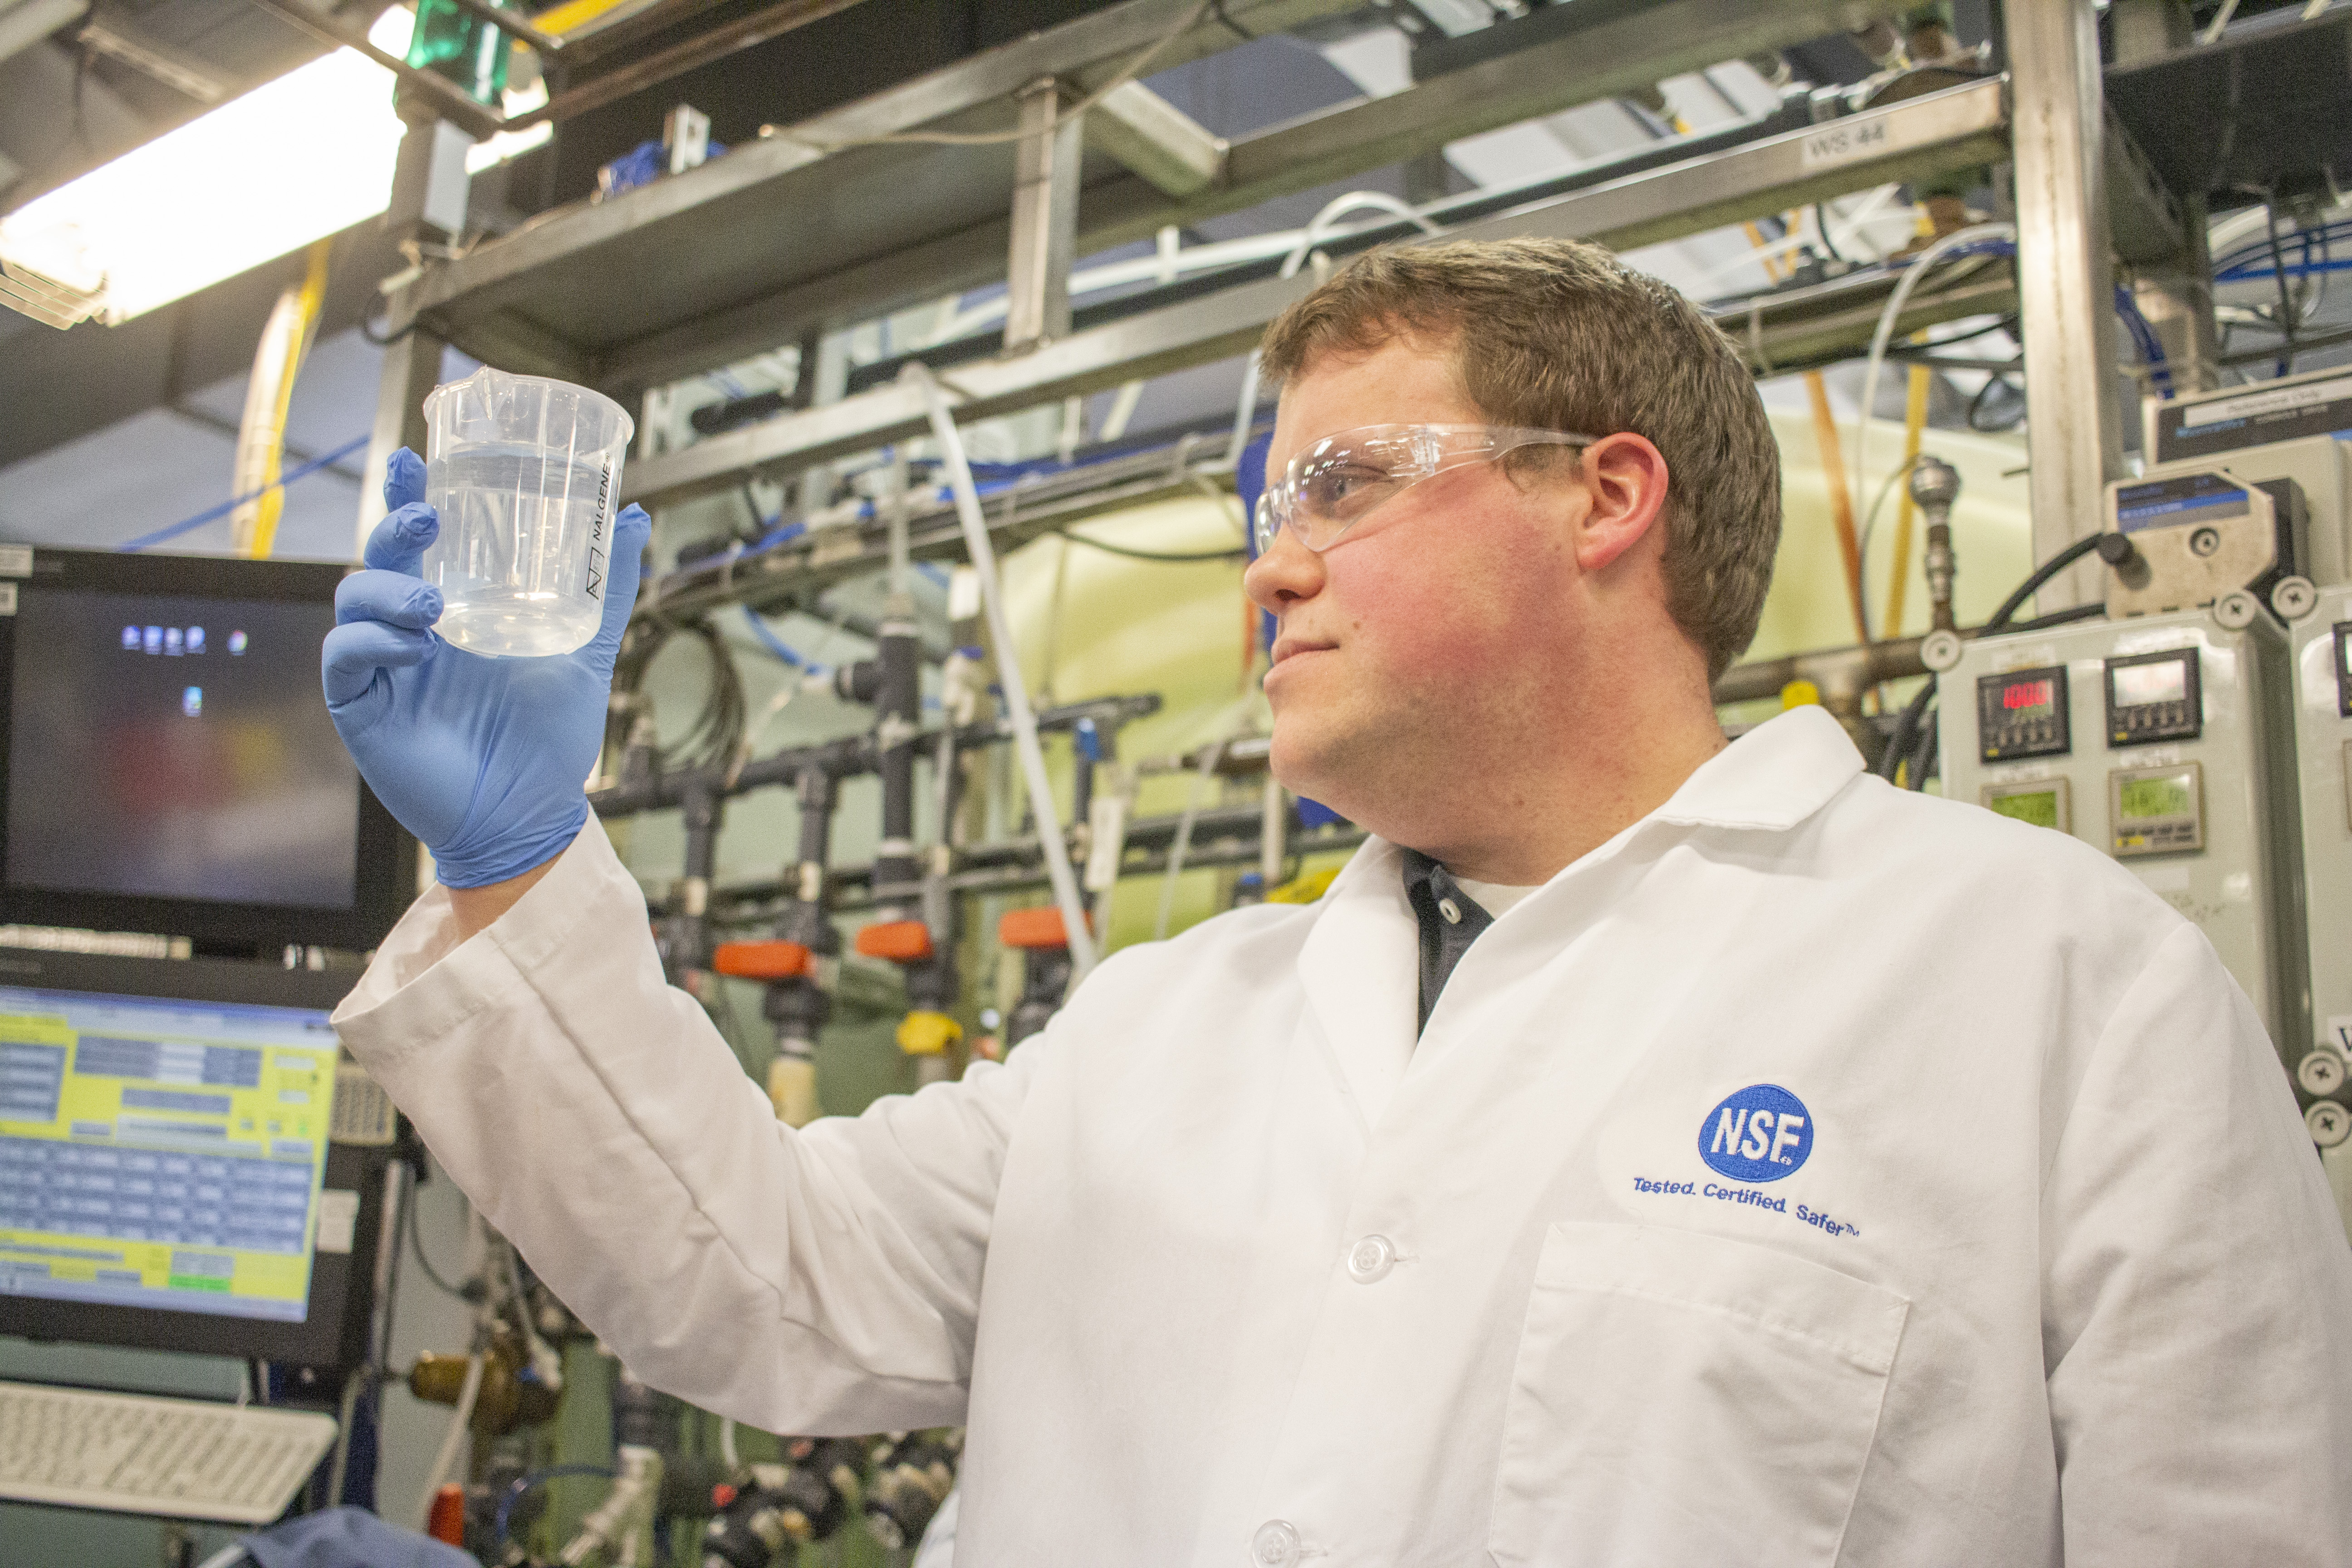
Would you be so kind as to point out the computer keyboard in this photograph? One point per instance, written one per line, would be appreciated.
(179, 1458)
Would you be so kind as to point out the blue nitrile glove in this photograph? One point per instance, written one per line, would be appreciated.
(483, 759)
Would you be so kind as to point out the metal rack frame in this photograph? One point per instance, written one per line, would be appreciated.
(822, 224)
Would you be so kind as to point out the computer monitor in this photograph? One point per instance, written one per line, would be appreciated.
(168, 764)
(168, 1179)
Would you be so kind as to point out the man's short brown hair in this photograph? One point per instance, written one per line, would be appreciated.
(1561, 335)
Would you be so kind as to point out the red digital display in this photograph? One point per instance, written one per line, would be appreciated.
(2028, 694)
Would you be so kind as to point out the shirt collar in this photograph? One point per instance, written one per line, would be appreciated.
(1771, 778)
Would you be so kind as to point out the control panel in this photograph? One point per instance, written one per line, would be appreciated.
(2159, 740)
(2291, 428)
(2022, 713)
(2321, 651)
(2153, 697)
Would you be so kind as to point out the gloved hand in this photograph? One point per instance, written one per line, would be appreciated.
(483, 759)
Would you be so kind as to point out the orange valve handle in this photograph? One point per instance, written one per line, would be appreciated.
(1035, 927)
(447, 1521)
(769, 959)
(900, 941)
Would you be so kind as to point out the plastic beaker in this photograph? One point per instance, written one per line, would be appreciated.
(526, 473)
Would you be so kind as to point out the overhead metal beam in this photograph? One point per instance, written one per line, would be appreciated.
(1045, 219)
(1589, 50)
(679, 208)
(1904, 141)
(1605, 46)
(118, 40)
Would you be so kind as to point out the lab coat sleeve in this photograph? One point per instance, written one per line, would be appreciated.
(819, 1281)
(2197, 1290)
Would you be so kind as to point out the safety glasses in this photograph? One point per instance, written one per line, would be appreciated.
(1343, 478)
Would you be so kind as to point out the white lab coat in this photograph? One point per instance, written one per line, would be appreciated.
(1224, 1261)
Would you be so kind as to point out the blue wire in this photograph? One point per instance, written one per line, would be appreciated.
(226, 507)
(516, 1492)
(2151, 348)
(776, 645)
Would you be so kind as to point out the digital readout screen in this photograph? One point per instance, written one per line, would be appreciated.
(2160, 798)
(2141, 684)
(2025, 696)
(2039, 807)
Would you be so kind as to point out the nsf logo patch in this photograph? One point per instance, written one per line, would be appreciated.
(1760, 1134)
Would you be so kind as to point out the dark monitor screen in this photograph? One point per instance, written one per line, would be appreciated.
(169, 1175)
(170, 764)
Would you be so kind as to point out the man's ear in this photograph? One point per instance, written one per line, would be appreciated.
(1626, 477)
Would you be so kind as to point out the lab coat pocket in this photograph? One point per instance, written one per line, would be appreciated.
(1681, 1398)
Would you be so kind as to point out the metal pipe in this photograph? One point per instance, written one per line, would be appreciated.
(1935, 486)
(798, 1006)
(1837, 672)
(2065, 275)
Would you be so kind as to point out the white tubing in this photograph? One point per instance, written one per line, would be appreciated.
(1008, 670)
(1886, 319)
(727, 1443)
(1183, 844)
(446, 1460)
(1317, 231)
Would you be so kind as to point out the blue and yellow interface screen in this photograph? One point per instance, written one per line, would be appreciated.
(162, 1153)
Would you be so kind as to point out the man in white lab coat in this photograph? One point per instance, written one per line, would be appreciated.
(1650, 1150)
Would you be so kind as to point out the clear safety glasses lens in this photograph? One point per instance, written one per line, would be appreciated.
(1342, 479)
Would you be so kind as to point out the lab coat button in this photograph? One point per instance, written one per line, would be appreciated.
(1275, 1544)
(1370, 1260)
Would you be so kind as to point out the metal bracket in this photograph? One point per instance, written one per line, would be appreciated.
(1045, 219)
(1155, 140)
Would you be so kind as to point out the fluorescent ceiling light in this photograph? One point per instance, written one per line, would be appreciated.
(293, 161)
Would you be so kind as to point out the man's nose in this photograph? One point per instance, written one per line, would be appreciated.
(1285, 573)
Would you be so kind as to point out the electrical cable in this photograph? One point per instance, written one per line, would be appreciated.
(1984, 238)
(2288, 315)
(226, 507)
(1161, 557)
(776, 645)
(1919, 351)
(1822, 228)
(983, 551)
(524, 1484)
(1902, 743)
(1976, 404)
(717, 732)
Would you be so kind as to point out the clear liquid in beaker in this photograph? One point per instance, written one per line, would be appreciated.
(522, 554)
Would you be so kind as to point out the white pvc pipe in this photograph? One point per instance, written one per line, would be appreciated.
(445, 1459)
(1008, 669)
